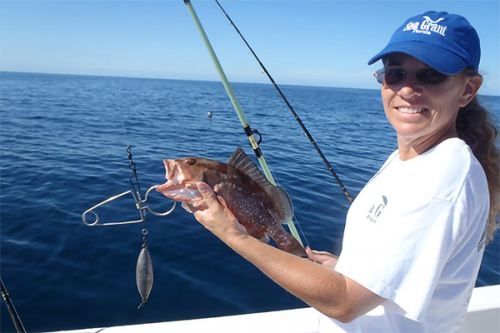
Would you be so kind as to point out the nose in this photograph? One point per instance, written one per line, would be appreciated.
(410, 88)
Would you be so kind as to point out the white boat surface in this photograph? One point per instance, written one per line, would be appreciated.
(483, 316)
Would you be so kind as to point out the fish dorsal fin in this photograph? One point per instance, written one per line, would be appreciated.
(240, 161)
(281, 201)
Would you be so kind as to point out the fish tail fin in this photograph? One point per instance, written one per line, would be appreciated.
(288, 243)
(297, 249)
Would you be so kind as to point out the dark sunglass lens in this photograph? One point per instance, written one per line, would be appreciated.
(379, 75)
(394, 76)
(431, 76)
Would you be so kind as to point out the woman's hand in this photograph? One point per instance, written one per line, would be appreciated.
(323, 258)
(213, 213)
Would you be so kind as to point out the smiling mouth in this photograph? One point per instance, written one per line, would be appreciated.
(411, 110)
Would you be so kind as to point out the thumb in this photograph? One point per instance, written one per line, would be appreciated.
(206, 192)
(310, 254)
(208, 195)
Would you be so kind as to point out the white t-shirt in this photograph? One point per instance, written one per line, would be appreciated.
(415, 236)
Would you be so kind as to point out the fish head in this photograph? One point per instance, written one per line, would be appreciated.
(182, 175)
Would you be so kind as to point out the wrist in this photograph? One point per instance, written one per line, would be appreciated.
(238, 241)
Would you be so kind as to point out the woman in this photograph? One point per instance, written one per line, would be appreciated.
(415, 234)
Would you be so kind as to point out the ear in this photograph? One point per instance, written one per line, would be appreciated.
(472, 85)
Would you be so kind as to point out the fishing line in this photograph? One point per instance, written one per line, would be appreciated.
(309, 136)
(116, 103)
(104, 42)
(234, 101)
(241, 115)
(144, 266)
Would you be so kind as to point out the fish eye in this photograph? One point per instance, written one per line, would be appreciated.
(191, 161)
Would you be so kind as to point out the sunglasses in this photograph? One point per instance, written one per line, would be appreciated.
(398, 75)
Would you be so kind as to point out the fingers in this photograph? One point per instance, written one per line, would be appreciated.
(208, 194)
(319, 256)
(209, 199)
(311, 254)
(212, 209)
(193, 206)
(213, 201)
(226, 209)
(221, 200)
(205, 190)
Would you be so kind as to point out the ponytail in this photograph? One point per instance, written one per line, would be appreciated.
(476, 127)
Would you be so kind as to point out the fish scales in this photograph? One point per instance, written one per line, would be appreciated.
(257, 204)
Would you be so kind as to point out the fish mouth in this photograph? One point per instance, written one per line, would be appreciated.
(170, 169)
(180, 191)
(176, 188)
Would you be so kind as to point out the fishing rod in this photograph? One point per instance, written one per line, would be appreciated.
(243, 119)
(328, 165)
(12, 310)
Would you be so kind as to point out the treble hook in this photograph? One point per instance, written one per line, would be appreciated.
(138, 203)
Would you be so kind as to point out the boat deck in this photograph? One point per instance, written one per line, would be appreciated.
(483, 315)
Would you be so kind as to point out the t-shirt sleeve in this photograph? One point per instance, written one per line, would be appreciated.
(400, 252)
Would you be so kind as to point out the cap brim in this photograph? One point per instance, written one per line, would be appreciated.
(438, 58)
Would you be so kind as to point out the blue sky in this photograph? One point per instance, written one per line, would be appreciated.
(320, 43)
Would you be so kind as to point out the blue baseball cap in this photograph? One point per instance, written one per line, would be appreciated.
(446, 42)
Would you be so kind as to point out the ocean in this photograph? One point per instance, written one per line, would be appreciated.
(63, 142)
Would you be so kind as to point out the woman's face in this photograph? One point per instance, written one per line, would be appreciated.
(422, 111)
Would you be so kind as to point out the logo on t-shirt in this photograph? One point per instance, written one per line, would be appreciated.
(377, 209)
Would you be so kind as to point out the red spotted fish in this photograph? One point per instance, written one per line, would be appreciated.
(257, 204)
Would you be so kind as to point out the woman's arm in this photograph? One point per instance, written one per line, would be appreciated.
(320, 286)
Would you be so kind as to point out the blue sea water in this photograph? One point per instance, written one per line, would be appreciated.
(63, 149)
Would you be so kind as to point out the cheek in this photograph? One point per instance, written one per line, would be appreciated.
(447, 111)
(448, 107)
(186, 172)
(449, 95)
(387, 97)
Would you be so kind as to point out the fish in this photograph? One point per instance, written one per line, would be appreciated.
(259, 206)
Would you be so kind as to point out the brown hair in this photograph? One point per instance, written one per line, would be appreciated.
(476, 127)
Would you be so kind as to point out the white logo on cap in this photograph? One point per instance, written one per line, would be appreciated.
(426, 27)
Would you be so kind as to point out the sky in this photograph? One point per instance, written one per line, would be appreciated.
(312, 43)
